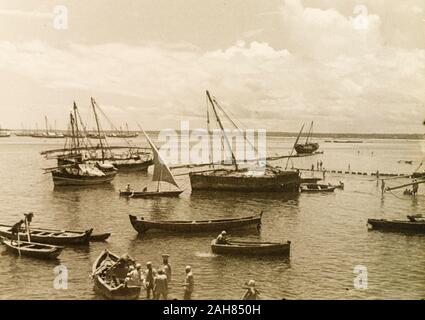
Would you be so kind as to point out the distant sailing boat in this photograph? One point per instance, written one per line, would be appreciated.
(161, 173)
(307, 147)
(269, 179)
(4, 134)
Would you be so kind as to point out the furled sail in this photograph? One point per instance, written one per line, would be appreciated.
(161, 172)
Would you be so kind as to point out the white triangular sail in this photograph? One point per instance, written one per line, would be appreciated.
(161, 172)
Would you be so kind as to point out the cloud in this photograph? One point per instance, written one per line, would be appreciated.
(341, 77)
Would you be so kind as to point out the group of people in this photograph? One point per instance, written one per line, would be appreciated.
(155, 281)
(319, 166)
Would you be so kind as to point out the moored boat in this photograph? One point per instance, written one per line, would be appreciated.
(141, 225)
(251, 248)
(262, 178)
(98, 237)
(109, 279)
(46, 236)
(82, 174)
(32, 249)
(316, 187)
(243, 180)
(415, 226)
(307, 147)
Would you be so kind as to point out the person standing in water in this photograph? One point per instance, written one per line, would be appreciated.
(251, 292)
(166, 266)
(415, 187)
(188, 284)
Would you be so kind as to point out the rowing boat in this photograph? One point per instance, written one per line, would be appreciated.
(397, 225)
(98, 237)
(32, 249)
(251, 248)
(48, 236)
(150, 194)
(141, 225)
(316, 187)
(109, 281)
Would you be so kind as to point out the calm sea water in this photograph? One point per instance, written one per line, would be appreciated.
(328, 231)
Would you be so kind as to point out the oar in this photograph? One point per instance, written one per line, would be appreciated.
(19, 244)
(28, 229)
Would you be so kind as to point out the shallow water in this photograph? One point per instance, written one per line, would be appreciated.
(328, 231)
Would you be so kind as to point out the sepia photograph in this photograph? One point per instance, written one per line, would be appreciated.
(212, 150)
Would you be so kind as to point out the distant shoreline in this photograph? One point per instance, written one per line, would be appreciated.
(405, 136)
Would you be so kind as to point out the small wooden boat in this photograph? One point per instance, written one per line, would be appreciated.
(161, 173)
(110, 281)
(141, 225)
(98, 237)
(251, 248)
(48, 236)
(32, 249)
(150, 194)
(415, 226)
(316, 187)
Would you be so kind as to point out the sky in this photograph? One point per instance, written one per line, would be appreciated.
(349, 66)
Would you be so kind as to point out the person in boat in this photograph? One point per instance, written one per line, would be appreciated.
(17, 227)
(125, 261)
(28, 217)
(145, 189)
(189, 284)
(166, 266)
(161, 285)
(222, 238)
(251, 292)
(415, 187)
(150, 274)
(128, 188)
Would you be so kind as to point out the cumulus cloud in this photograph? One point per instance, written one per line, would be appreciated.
(343, 77)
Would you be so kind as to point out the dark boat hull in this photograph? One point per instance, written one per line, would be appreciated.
(287, 181)
(314, 187)
(252, 248)
(64, 179)
(48, 236)
(131, 166)
(306, 148)
(397, 225)
(112, 293)
(141, 226)
(142, 194)
(99, 237)
(32, 249)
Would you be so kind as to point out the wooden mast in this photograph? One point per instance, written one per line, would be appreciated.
(222, 129)
(77, 133)
(98, 128)
(211, 156)
(309, 133)
(293, 147)
(73, 145)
